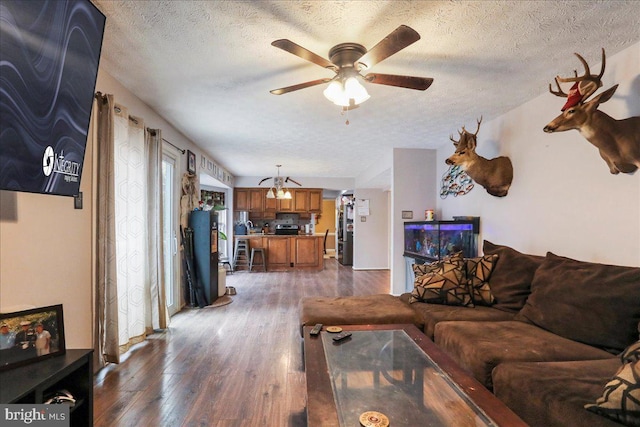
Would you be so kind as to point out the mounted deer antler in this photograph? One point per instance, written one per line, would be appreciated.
(494, 175)
(617, 140)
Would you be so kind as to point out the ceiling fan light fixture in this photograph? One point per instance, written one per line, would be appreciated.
(270, 194)
(341, 91)
(334, 92)
(354, 90)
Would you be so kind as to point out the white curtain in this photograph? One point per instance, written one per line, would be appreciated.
(131, 225)
(130, 298)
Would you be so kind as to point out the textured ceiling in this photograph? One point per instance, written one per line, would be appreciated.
(207, 68)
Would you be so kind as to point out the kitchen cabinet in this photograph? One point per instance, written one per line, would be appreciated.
(315, 201)
(241, 199)
(306, 252)
(300, 200)
(286, 253)
(278, 253)
(286, 205)
(270, 205)
(257, 197)
(304, 201)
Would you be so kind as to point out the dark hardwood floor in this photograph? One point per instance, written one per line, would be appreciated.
(238, 365)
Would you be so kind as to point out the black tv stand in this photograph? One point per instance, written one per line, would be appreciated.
(33, 383)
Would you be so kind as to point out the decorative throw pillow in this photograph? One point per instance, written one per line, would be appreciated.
(620, 400)
(446, 285)
(422, 269)
(478, 274)
(631, 353)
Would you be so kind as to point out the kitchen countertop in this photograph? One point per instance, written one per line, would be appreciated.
(250, 236)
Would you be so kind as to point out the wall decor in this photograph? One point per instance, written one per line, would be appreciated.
(494, 175)
(203, 162)
(617, 140)
(191, 162)
(407, 214)
(456, 182)
(31, 335)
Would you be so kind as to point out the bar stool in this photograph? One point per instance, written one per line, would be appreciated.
(240, 254)
(261, 252)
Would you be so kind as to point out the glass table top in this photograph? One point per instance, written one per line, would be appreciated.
(385, 371)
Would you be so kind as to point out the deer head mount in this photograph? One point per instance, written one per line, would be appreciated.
(494, 175)
(617, 140)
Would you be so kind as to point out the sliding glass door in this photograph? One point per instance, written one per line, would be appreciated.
(170, 231)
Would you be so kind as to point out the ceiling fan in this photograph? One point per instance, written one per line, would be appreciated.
(347, 60)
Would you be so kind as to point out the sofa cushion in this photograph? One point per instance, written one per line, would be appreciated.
(511, 278)
(596, 304)
(356, 310)
(481, 346)
(620, 400)
(553, 394)
(430, 314)
(478, 274)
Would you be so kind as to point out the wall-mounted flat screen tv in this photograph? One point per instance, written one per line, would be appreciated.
(434, 240)
(49, 55)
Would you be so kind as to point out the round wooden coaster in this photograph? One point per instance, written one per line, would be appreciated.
(374, 419)
(333, 329)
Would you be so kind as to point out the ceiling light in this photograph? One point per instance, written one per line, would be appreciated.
(278, 190)
(346, 90)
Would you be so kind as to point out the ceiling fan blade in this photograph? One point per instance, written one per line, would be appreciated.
(303, 53)
(399, 38)
(409, 82)
(298, 86)
(264, 179)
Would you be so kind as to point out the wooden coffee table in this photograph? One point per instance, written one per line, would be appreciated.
(397, 371)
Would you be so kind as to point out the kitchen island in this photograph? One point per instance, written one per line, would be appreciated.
(286, 253)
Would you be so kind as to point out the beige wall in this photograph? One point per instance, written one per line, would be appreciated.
(328, 221)
(45, 256)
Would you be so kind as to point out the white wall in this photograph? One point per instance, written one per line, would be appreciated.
(371, 238)
(414, 189)
(563, 198)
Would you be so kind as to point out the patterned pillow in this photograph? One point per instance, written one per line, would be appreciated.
(620, 400)
(422, 269)
(478, 273)
(446, 285)
(631, 353)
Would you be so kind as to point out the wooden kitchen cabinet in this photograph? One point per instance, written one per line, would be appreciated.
(241, 199)
(286, 205)
(278, 254)
(315, 201)
(270, 205)
(300, 200)
(304, 201)
(306, 252)
(256, 200)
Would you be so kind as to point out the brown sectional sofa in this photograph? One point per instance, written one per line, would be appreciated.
(546, 346)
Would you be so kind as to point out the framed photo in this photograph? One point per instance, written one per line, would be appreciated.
(31, 335)
(191, 162)
(407, 214)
